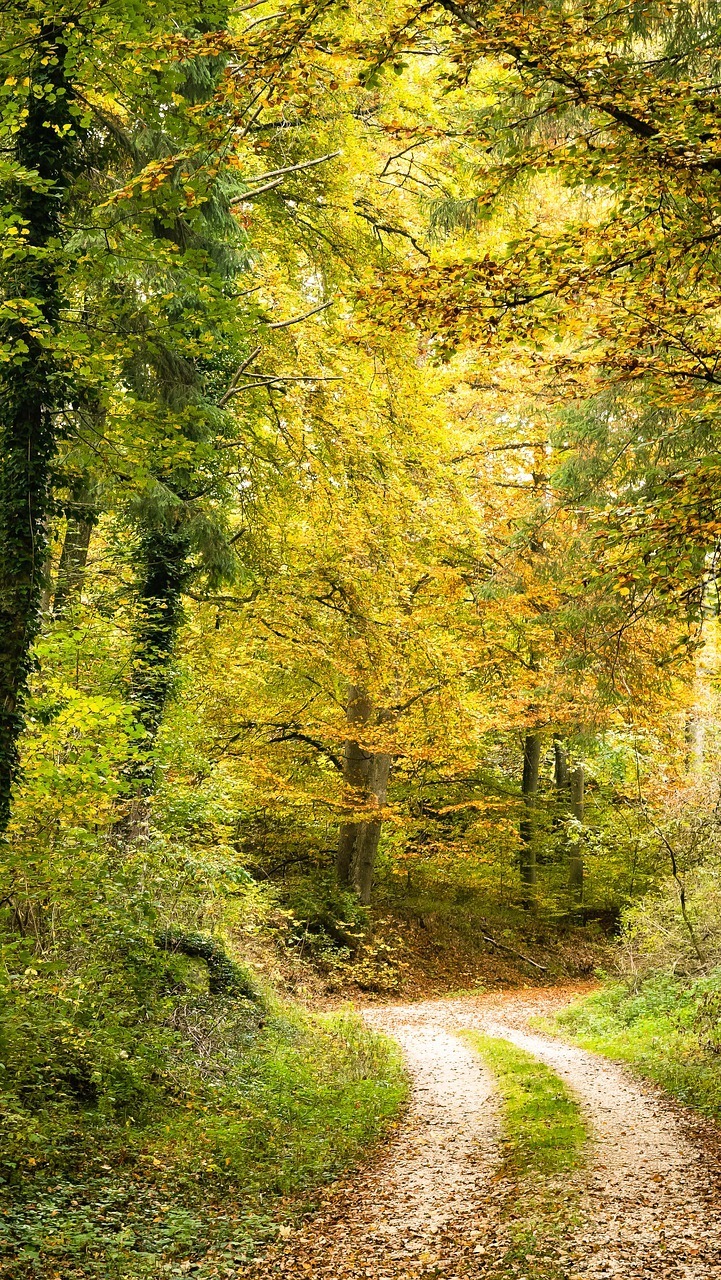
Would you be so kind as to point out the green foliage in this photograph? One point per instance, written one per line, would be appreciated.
(225, 977)
(283, 1106)
(544, 1132)
(666, 1027)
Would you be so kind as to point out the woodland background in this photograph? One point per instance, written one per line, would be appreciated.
(359, 525)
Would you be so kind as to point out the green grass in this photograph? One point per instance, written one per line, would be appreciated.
(544, 1145)
(666, 1029)
(543, 1128)
(203, 1182)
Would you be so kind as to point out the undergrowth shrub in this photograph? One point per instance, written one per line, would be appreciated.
(148, 1117)
(156, 1100)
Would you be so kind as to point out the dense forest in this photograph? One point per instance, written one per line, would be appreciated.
(360, 510)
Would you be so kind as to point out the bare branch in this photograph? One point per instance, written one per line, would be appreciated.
(273, 380)
(285, 324)
(503, 947)
(294, 735)
(238, 373)
(294, 168)
(251, 195)
(390, 230)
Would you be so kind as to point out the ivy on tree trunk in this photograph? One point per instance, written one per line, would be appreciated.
(164, 560)
(575, 858)
(529, 789)
(33, 384)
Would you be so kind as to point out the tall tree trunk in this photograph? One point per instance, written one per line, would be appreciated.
(560, 765)
(60, 596)
(73, 561)
(81, 513)
(32, 387)
(366, 773)
(164, 570)
(160, 615)
(529, 788)
(575, 853)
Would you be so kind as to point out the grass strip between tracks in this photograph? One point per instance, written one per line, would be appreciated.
(544, 1152)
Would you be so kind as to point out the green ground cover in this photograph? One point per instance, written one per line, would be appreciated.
(543, 1129)
(668, 1028)
(544, 1143)
(199, 1183)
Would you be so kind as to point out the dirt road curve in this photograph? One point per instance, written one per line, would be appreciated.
(429, 1206)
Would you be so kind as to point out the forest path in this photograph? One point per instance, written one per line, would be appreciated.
(432, 1204)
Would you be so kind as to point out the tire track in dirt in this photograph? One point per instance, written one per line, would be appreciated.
(651, 1202)
(431, 1204)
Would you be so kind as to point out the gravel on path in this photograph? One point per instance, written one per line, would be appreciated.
(431, 1204)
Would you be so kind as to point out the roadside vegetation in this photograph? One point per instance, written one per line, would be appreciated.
(194, 1157)
(667, 1027)
(660, 1006)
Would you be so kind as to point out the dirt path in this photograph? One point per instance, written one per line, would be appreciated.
(387, 1221)
(429, 1207)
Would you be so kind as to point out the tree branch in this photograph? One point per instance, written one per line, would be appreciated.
(512, 950)
(285, 324)
(294, 168)
(294, 735)
(239, 371)
(251, 195)
(391, 231)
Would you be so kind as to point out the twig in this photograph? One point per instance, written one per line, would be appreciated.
(270, 17)
(300, 377)
(284, 324)
(279, 175)
(502, 947)
(680, 885)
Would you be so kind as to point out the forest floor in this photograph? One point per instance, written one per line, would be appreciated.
(440, 1200)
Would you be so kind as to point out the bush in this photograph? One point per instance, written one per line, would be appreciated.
(235, 1110)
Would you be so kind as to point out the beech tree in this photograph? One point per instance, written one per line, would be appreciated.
(312, 392)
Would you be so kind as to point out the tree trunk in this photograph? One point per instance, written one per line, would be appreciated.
(694, 735)
(33, 387)
(366, 773)
(575, 853)
(73, 560)
(529, 788)
(560, 765)
(160, 614)
(164, 568)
